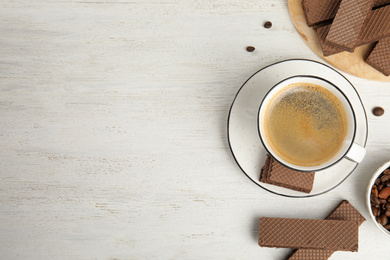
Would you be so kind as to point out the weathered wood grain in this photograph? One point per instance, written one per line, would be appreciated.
(113, 130)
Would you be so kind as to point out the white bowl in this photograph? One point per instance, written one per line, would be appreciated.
(368, 195)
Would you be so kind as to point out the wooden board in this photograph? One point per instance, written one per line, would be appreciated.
(352, 63)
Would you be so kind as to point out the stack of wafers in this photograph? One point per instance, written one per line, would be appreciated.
(314, 239)
(343, 25)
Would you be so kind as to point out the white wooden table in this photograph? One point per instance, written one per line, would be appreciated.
(113, 137)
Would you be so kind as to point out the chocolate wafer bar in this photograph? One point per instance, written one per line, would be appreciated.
(309, 233)
(318, 12)
(276, 174)
(348, 23)
(376, 26)
(327, 49)
(371, 31)
(379, 57)
(344, 211)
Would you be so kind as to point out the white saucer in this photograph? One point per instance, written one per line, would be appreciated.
(243, 136)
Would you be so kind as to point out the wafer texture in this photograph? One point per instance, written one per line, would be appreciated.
(348, 23)
(308, 233)
(276, 174)
(376, 26)
(343, 211)
(379, 57)
(301, 181)
(379, 3)
(311, 254)
(319, 11)
(327, 49)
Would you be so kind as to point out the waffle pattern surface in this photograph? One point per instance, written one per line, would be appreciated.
(348, 23)
(319, 11)
(322, 11)
(276, 174)
(376, 26)
(379, 58)
(308, 233)
(378, 3)
(344, 211)
(327, 49)
(311, 254)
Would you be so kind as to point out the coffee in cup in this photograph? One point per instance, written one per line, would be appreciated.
(307, 123)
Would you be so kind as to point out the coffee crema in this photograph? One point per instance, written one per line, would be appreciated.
(305, 124)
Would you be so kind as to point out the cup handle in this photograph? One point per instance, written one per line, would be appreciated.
(356, 153)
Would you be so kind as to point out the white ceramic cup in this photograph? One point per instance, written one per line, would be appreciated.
(349, 150)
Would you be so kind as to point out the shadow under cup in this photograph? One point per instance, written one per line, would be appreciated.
(349, 149)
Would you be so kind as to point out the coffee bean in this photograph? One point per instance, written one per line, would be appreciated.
(375, 211)
(384, 193)
(250, 48)
(380, 199)
(383, 220)
(374, 190)
(378, 111)
(385, 177)
(267, 24)
(374, 200)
